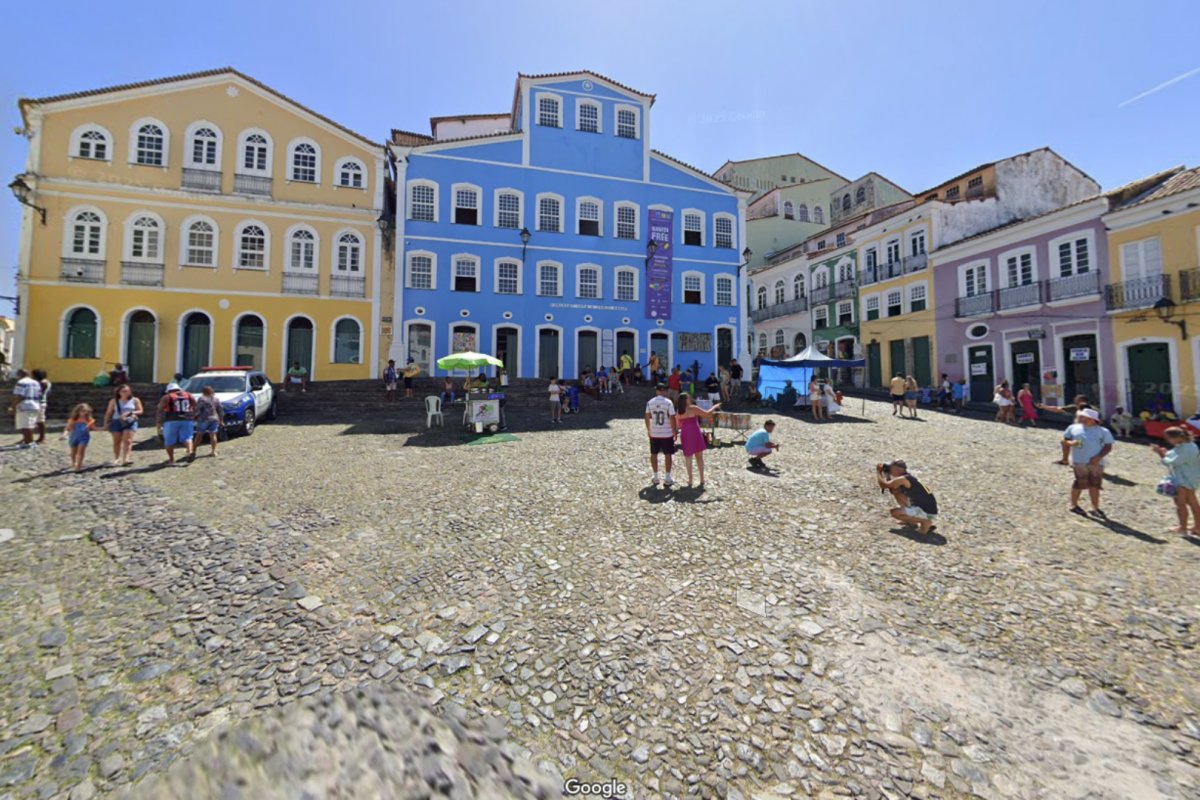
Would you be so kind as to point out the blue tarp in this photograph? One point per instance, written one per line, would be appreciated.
(772, 375)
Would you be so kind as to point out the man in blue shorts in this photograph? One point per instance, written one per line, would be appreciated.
(175, 420)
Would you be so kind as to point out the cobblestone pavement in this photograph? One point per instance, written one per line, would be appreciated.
(772, 636)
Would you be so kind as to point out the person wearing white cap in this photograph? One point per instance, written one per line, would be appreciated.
(176, 421)
(1090, 442)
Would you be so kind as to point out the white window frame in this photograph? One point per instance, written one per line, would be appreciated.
(471, 187)
(779, 292)
(724, 276)
(846, 267)
(1054, 270)
(849, 304)
(912, 287)
(520, 207)
(683, 222)
(77, 139)
(700, 277)
(866, 308)
(337, 173)
(820, 312)
(1016, 253)
(637, 218)
(496, 276)
(362, 335)
(537, 108)
(579, 268)
(789, 209)
(818, 214)
(335, 255)
(579, 104)
(802, 213)
(1141, 249)
(733, 243)
(412, 184)
(476, 262)
(887, 252)
(579, 201)
(189, 149)
(291, 153)
(240, 167)
(185, 228)
(912, 235)
(288, 265)
(127, 252)
(237, 245)
(166, 146)
(986, 267)
(538, 277)
(626, 270)
(803, 282)
(69, 233)
(821, 277)
(887, 303)
(433, 270)
(562, 212)
(637, 121)
(761, 296)
(762, 343)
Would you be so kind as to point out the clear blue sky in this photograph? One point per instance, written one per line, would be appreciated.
(918, 91)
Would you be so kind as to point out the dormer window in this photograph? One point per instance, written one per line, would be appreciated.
(588, 119)
(627, 122)
(549, 111)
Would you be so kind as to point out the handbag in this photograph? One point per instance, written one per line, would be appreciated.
(1166, 486)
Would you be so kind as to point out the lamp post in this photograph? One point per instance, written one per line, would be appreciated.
(21, 191)
(747, 254)
(524, 242)
(1165, 309)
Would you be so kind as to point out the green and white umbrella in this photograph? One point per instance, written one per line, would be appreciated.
(468, 361)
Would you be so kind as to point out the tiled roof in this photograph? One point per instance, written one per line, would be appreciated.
(696, 170)
(1179, 180)
(409, 139)
(211, 73)
(575, 73)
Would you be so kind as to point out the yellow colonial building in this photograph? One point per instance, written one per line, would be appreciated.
(1153, 296)
(204, 219)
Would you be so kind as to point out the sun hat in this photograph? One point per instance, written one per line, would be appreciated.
(1090, 413)
(173, 387)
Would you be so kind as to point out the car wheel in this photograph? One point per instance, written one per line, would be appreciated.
(272, 411)
(248, 425)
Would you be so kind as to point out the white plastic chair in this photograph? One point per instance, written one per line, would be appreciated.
(433, 408)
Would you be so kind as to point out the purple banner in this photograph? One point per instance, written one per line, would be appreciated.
(658, 266)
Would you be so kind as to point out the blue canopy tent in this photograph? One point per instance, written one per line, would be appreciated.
(799, 370)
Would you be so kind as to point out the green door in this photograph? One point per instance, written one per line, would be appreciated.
(874, 365)
(508, 350)
(139, 347)
(196, 337)
(896, 367)
(587, 352)
(922, 361)
(300, 345)
(548, 353)
(1150, 383)
(250, 342)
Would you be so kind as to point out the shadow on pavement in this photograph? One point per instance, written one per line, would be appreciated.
(837, 418)
(119, 472)
(653, 494)
(695, 496)
(935, 538)
(1125, 530)
(765, 472)
(1119, 481)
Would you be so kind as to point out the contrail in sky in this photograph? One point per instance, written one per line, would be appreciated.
(1161, 86)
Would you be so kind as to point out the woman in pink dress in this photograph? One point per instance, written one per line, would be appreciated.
(1028, 412)
(691, 438)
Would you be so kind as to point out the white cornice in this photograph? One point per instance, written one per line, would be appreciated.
(1155, 210)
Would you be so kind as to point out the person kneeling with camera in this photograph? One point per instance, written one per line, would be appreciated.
(917, 505)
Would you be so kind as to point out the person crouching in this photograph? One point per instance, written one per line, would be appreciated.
(916, 505)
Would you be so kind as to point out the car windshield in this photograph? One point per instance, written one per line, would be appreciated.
(221, 384)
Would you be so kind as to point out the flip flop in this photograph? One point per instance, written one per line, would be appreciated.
(1079, 511)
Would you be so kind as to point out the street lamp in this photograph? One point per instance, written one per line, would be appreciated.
(651, 249)
(384, 222)
(21, 191)
(1165, 309)
(524, 242)
(747, 254)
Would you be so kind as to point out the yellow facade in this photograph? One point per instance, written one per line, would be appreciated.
(911, 331)
(260, 207)
(1165, 224)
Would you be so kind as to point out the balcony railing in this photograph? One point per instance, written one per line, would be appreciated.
(251, 184)
(846, 288)
(204, 180)
(893, 269)
(138, 274)
(1017, 296)
(974, 306)
(974, 191)
(1189, 285)
(1137, 293)
(82, 270)
(299, 284)
(1073, 286)
(347, 286)
(821, 294)
(780, 309)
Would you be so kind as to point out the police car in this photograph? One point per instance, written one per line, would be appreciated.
(246, 395)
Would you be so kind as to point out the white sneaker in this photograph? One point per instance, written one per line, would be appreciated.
(655, 480)
(668, 480)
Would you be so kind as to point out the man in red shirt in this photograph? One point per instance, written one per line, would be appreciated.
(176, 421)
(674, 384)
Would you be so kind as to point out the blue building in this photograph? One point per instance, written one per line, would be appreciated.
(527, 235)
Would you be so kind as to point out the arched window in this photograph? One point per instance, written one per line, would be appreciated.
(255, 158)
(820, 279)
(349, 252)
(798, 287)
(818, 215)
(762, 344)
(302, 250)
(789, 210)
(149, 144)
(466, 205)
(422, 201)
(204, 147)
(305, 161)
(723, 231)
(91, 141)
(87, 235)
(549, 213)
(627, 221)
(347, 337)
(860, 196)
(587, 283)
(549, 108)
(626, 284)
(200, 244)
(846, 202)
(724, 292)
(587, 214)
(508, 208)
(779, 340)
(351, 174)
(802, 213)
(81, 337)
(143, 240)
(251, 243)
(780, 292)
(249, 341)
(762, 297)
(799, 343)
